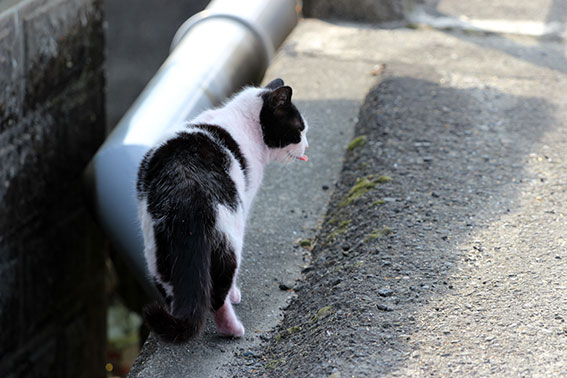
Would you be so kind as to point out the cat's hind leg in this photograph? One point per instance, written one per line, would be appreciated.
(226, 321)
(223, 272)
(234, 293)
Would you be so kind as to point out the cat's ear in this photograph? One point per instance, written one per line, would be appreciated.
(275, 84)
(281, 97)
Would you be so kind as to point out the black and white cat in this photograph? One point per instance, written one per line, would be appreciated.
(195, 191)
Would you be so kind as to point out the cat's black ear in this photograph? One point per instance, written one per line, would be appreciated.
(280, 97)
(275, 84)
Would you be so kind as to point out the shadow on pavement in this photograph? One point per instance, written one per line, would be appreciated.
(455, 157)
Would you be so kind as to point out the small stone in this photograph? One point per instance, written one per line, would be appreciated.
(307, 269)
(284, 287)
(325, 187)
(384, 307)
(385, 292)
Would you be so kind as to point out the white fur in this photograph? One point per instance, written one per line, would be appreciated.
(150, 245)
(240, 116)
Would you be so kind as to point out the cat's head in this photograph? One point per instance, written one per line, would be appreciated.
(284, 129)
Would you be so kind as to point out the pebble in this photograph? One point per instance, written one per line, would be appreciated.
(384, 307)
(385, 292)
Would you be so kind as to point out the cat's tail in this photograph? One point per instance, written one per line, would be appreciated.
(167, 327)
(189, 252)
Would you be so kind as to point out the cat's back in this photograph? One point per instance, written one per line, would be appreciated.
(192, 166)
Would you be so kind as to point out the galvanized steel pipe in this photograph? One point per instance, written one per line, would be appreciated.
(214, 54)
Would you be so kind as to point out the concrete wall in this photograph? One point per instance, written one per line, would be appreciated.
(52, 299)
(360, 10)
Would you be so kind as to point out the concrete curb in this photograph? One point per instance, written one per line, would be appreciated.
(329, 91)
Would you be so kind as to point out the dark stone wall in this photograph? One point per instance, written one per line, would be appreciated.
(360, 10)
(52, 259)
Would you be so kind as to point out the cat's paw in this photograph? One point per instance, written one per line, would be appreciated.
(234, 295)
(235, 329)
(227, 323)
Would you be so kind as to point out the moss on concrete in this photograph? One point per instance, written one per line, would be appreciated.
(357, 142)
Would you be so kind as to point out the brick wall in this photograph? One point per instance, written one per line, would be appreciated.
(52, 299)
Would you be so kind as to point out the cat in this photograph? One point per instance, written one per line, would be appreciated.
(194, 193)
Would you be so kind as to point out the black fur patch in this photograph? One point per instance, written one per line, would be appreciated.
(187, 167)
(163, 293)
(142, 183)
(228, 141)
(280, 120)
(223, 268)
(169, 328)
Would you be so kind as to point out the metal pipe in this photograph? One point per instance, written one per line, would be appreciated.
(214, 54)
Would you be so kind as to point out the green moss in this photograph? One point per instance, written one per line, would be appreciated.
(378, 234)
(378, 202)
(305, 243)
(341, 229)
(308, 244)
(362, 186)
(321, 313)
(357, 142)
(383, 179)
(386, 231)
(293, 329)
(333, 220)
(277, 337)
(274, 363)
(324, 311)
(363, 166)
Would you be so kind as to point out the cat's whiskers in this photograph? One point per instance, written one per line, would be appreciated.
(289, 158)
